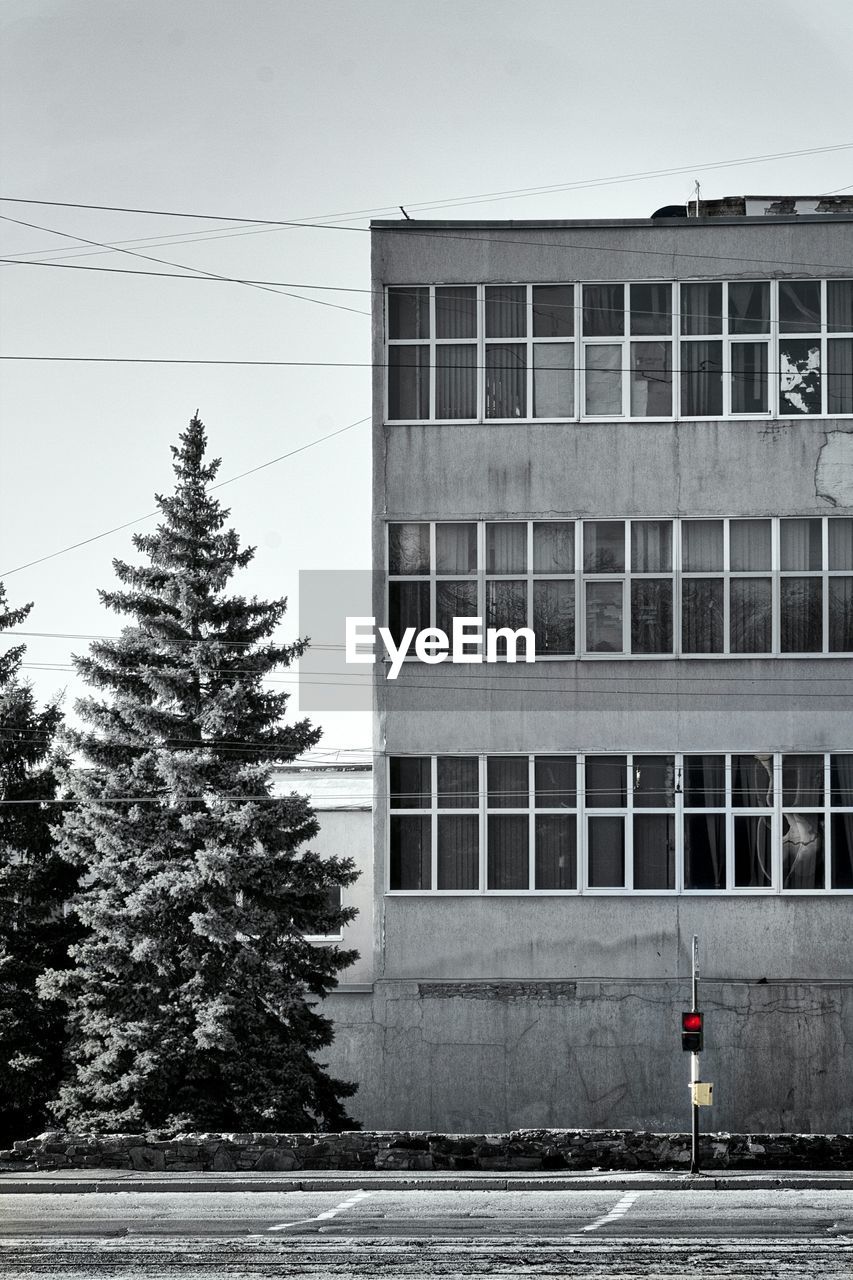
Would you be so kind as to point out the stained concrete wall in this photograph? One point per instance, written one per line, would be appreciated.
(496, 1012)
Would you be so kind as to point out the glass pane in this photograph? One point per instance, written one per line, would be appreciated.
(839, 390)
(701, 545)
(702, 615)
(651, 546)
(752, 852)
(456, 311)
(841, 780)
(456, 381)
(606, 850)
(842, 850)
(651, 308)
(554, 616)
(553, 380)
(603, 379)
(408, 312)
(803, 864)
(508, 783)
(752, 782)
(408, 548)
(506, 547)
(409, 782)
(606, 782)
(554, 546)
(408, 383)
(705, 851)
(839, 306)
(841, 543)
(506, 311)
(802, 615)
(800, 544)
(654, 782)
(704, 782)
(749, 377)
(411, 852)
(702, 379)
(654, 851)
(509, 857)
(799, 376)
(458, 782)
(456, 548)
(702, 307)
(802, 781)
(556, 852)
(799, 306)
(455, 599)
(506, 380)
(840, 615)
(555, 782)
(651, 379)
(750, 615)
(604, 546)
(651, 615)
(604, 310)
(459, 852)
(749, 307)
(604, 617)
(408, 606)
(750, 544)
(553, 310)
(506, 606)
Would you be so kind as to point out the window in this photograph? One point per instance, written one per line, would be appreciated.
(661, 823)
(637, 350)
(333, 903)
(647, 588)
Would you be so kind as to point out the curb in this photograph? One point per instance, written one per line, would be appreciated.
(181, 1183)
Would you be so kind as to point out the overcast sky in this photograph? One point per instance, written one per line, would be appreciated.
(320, 109)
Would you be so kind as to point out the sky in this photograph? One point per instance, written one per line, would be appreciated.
(323, 111)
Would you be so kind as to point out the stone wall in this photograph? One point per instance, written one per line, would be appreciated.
(525, 1149)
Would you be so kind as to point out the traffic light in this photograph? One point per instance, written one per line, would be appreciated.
(691, 1031)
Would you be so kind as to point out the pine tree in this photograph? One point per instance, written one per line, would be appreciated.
(35, 884)
(192, 1001)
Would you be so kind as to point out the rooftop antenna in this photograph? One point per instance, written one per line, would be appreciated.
(403, 211)
(696, 193)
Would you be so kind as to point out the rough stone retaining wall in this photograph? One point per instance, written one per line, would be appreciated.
(525, 1149)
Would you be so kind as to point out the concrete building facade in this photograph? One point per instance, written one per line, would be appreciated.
(636, 439)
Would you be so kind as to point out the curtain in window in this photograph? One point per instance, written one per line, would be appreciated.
(554, 616)
(800, 544)
(705, 782)
(799, 375)
(842, 850)
(554, 547)
(802, 615)
(750, 544)
(702, 307)
(702, 545)
(603, 379)
(839, 361)
(702, 379)
(750, 615)
(651, 379)
(651, 615)
(408, 548)
(456, 548)
(556, 852)
(841, 544)
(702, 615)
(604, 310)
(752, 851)
(802, 851)
(705, 850)
(458, 851)
(752, 782)
(408, 312)
(802, 781)
(604, 617)
(411, 854)
(651, 546)
(456, 311)
(749, 377)
(606, 782)
(841, 615)
(506, 547)
(749, 306)
(839, 306)
(456, 381)
(604, 546)
(506, 311)
(408, 383)
(553, 380)
(606, 848)
(508, 784)
(555, 782)
(654, 851)
(651, 308)
(458, 782)
(509, 866)
(410, 785)
(506, 380)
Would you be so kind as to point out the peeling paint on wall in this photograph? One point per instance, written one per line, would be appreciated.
(834, 470)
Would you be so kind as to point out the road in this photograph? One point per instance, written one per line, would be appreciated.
(456, 1234)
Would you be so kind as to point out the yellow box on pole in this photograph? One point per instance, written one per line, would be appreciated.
(701, 1093)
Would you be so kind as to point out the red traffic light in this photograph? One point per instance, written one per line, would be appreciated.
(691, 1031)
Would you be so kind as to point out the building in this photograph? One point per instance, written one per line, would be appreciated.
(636, 438)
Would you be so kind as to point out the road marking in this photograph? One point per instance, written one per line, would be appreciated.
(329, 1213)
(618, 1211)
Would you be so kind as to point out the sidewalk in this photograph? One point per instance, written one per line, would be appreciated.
(105, 1181)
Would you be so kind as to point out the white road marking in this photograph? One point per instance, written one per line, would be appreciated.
(329, 1213)
(618, 1211)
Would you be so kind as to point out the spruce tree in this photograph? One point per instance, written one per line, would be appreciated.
(35, 885)
(192, 1003)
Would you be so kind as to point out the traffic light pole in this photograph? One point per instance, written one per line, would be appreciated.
(694, 1064)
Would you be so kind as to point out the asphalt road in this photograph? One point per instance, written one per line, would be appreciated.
(455, 1234)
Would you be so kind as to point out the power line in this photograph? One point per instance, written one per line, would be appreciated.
(149, 515)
